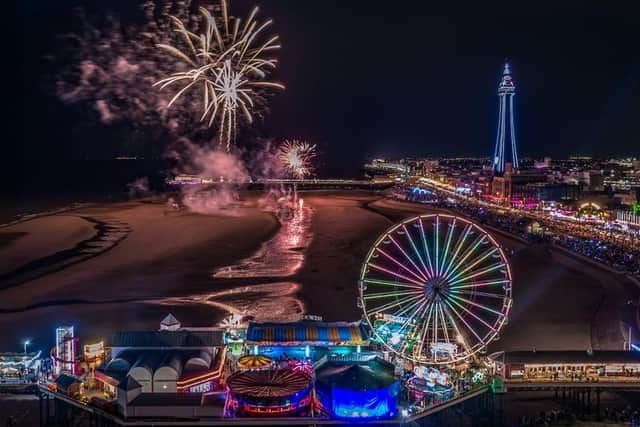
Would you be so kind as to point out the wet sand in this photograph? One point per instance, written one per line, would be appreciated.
(343, 230)
(40, 237)
(167, 253)
(166, 264)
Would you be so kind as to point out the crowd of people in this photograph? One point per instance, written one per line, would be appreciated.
(584, 239)
(623, 259)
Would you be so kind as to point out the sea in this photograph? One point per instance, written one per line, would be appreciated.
(41, 186)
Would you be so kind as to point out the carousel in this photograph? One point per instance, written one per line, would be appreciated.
(279, 392)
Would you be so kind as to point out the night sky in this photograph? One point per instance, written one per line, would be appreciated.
(372, 78)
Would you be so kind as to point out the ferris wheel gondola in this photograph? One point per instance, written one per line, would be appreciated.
(435, 289)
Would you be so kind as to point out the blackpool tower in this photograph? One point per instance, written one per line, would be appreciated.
(506, 125)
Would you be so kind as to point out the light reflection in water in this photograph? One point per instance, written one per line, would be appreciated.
(281, 256)
(264, 303)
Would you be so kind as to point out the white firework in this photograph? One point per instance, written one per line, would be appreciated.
(227, 62)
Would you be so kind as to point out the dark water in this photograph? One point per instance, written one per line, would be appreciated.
(42, 186)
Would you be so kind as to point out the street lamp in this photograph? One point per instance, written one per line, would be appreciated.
(26, 343)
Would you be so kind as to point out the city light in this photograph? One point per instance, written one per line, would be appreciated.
(318, 278)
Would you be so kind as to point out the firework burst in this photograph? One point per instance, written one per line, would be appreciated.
(227, 62)
(296, 158)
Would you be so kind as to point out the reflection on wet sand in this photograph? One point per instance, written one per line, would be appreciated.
(263, 303)
(281, 256)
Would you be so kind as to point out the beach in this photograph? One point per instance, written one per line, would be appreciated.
(167, 259)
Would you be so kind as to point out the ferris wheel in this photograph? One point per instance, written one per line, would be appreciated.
(435, 289)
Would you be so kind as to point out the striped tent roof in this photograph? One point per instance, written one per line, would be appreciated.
(254, 361)
(313, 333)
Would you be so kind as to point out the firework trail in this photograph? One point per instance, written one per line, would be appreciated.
(296, 158)
(227, 62)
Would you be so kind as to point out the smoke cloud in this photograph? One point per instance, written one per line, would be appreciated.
(264, 163)
(227, 173)
(139, 187)
(226, 170)
(112, 67)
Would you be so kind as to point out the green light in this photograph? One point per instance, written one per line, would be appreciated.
(447, 244)
(415, 249)
(466, 255)
(387, 306)
(426, 246)
(389, 283)
(390, 294)
(475, 262)
(456, 251)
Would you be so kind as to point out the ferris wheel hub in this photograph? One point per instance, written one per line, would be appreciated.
(436, 287)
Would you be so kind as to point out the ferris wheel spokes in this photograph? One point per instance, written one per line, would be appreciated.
(407, 257)
(395, 274)
(391, 294)
(481, 284)
(394, 304)
(427, 271)
(459, 245)
(455, 280)
(426, 246)
(464, 322)
(447, 245)
(469, 251)
(417, 274)
(472, 314)
(450, 297)
(475, 262)
(390, 283)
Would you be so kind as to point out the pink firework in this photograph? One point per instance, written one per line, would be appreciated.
(296, 157)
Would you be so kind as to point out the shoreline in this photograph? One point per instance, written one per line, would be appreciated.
(166, 254)
(170, 256)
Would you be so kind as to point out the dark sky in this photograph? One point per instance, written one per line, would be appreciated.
(373, 78)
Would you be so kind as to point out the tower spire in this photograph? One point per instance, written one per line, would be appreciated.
(507, 68)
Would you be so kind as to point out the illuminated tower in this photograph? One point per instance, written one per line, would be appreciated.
(506, 124)
(65, 352)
